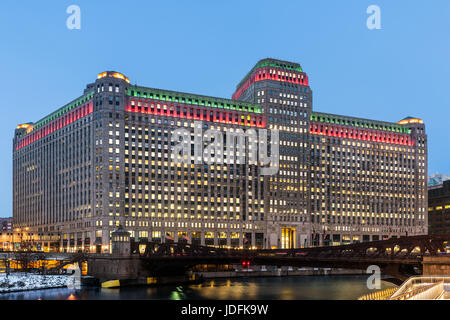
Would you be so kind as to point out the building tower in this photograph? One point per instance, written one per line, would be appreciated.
(282, 89)
(418, 213)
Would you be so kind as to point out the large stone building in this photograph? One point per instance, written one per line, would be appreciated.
(107, 158)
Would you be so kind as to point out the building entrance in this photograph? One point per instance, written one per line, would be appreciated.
(287, 238)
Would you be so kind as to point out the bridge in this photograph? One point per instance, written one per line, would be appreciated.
(400, 258)
(397, 257)
(44, 262)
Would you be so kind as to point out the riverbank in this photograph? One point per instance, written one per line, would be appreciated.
(15, 282)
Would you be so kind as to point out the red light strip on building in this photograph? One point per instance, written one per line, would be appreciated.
(261, 74)
(56, 124)
(329, 130)
(196, 113)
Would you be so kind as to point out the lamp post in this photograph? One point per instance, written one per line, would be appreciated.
(18, 230)
(27, 240)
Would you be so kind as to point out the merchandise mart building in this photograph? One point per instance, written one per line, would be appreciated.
(107, 159)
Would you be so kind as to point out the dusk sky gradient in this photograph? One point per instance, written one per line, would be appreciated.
(207, 47)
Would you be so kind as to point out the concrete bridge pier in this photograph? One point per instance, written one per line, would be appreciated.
(120, 264)
(436, 266)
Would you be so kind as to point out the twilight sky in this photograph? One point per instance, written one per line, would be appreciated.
(206, 47)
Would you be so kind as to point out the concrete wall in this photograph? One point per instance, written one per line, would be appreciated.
(436, 266)
(111, 267)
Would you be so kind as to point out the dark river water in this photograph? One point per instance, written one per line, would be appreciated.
(272, 288)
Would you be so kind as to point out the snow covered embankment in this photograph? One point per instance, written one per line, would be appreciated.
(27, 281)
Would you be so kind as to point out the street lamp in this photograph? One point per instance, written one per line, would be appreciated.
(27, 240)
(14, 244)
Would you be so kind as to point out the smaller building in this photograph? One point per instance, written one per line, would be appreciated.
(6, 224)
(436, 180)
(6, 231)
(439, 209)
(18, 239)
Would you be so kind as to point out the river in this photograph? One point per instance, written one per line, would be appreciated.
(346, 287)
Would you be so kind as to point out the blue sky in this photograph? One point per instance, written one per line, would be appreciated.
(206, 47)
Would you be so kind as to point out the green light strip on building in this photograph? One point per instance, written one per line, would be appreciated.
(355, 122)
(58, 113)
(61, 111)
(278, 65)
(193, 99)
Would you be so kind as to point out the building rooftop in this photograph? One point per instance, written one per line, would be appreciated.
(190, 98)
(293, 66)
(410, 120)
(113, 74)
(358, 122)
(30, 126)
(146, 92)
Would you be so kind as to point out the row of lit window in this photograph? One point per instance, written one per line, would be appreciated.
(439, 207)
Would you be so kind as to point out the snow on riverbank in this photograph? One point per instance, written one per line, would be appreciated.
(27, 281)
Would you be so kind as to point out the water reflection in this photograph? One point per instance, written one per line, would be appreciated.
(178, 294)
(71, 297)
(282, 288)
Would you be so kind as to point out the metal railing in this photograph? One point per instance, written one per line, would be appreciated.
(415, 284)
(429, 292)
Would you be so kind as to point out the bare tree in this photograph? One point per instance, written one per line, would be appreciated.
(23, 260)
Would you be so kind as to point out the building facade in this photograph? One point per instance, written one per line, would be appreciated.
(108, 158)
(282, 90)
(12, 238)
(368, 178)
(439, 208)
(6, 231)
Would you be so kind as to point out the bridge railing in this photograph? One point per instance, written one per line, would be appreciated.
(417, 282)
(427, 292)
(394, 248)
(185, 249)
